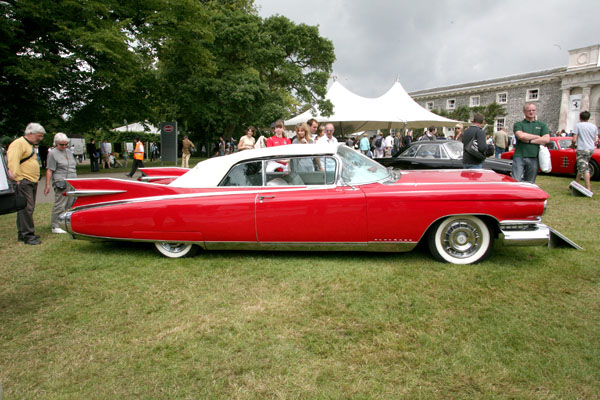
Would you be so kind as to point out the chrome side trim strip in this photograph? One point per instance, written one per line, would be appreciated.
(87, 193)
(156, 177)
(284, 246)
(207, 194)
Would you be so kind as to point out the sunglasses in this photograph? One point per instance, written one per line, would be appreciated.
(328, 130)
(62, 144)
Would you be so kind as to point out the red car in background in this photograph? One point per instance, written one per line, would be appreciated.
(564, 160)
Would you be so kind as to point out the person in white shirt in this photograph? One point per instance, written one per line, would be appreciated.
(584, 139)
(328, 137)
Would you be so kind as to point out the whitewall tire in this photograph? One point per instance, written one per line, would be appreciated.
(175, 250)
(463, 239)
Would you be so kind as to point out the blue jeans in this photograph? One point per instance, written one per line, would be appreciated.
(473, 166)
(499, 151)
(525, 169)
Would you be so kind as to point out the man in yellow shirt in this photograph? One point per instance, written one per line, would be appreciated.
(24, 169)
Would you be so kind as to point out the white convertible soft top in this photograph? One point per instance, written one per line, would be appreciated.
(209, 173)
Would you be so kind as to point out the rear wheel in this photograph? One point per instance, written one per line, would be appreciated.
(464, 239)
(175, 250)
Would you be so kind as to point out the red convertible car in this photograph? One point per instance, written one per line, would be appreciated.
(564, 159)
(310, 197)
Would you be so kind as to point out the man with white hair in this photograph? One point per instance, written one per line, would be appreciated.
(24, 169)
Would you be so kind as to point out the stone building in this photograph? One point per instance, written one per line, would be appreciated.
(560, 93)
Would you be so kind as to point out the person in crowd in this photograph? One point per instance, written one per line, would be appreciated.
(125, 157)
(105, 150)
(328, 137)
(303, 137)
(458, 132)
(114, 160)
(24, 169)
(302, 134)
(585, 138)
(247, 141)
(93, 155)
(61, 166)
(320, 133)
(186, 152)
(500, 141)
(430, 134)
(530, 134)
(222, 145)
(43, 153)
(365, 145)
(138, 157)
(350, 142)
(406, 139)
(379, 145)
(278, 139)
(314, 128)
(389, 144)
(474, 131)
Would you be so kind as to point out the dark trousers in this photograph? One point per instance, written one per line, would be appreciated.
(136, 164)
(25, 227)
(94, 164)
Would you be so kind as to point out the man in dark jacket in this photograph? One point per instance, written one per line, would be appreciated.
(93, 155)
(474, 131)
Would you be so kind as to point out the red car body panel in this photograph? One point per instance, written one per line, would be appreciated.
(397, 212)
(344, 208)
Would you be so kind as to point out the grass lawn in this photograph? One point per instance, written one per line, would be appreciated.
(111, 320)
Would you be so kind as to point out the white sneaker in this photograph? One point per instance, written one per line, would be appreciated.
(58, 230)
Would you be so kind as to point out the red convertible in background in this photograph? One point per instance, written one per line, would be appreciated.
(564, 158)
(310, 197)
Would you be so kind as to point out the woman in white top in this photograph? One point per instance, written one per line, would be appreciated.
(247, 141)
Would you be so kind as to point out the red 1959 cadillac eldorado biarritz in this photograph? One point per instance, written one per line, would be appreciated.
(310, 197)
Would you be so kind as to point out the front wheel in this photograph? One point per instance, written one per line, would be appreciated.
(594, 170)
(175, 250)
(461, 239)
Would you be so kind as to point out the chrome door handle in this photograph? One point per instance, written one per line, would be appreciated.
(261, 198)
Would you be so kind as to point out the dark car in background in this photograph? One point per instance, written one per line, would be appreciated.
(439, 154)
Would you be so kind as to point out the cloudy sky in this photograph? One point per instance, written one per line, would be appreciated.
(428, 43)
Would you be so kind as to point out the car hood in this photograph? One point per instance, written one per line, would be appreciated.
(452, 175)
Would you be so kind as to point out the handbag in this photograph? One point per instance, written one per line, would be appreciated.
(544, 159)
(60, 185)
(472, 147)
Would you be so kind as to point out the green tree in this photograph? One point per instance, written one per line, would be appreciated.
(69, 63)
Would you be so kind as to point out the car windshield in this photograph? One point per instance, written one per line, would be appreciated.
(358, 169)
(454, 149)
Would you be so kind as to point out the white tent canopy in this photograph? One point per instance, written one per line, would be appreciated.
(353, 113)
(138, 127)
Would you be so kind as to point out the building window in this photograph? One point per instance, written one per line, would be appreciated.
(450, 104)
(499, 123)
(429, 105)
(474, 101)
(502, 98)
(533, 94)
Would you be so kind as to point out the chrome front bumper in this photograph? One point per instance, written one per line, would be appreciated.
(518, 233)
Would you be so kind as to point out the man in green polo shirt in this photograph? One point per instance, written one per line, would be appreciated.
(530, 134)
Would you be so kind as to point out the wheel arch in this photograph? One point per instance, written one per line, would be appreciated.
(492, 223)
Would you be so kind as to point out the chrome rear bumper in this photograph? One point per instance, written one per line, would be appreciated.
(64, 220)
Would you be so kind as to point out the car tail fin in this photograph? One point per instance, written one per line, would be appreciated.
(106, 190)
